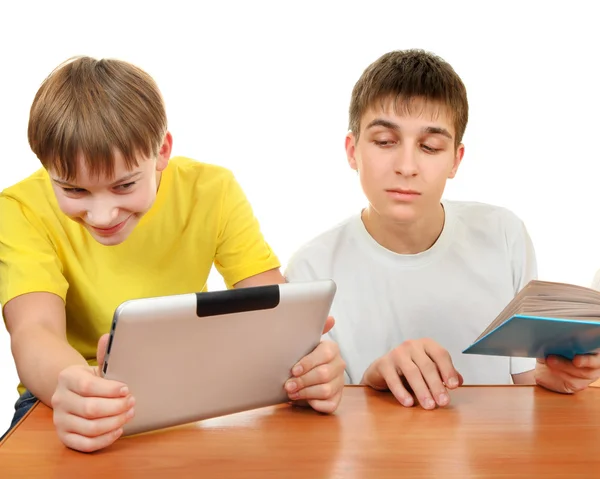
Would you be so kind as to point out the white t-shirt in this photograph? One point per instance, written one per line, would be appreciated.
(449, 293)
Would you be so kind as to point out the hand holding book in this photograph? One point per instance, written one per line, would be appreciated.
(557, 323)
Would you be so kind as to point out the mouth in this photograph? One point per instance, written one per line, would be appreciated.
(402, 191)
(110, 230)
(402, 195)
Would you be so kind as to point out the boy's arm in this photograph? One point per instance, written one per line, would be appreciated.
(36, 323)
(89, 411)
(273, 276)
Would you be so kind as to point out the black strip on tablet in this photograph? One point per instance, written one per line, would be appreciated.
(237, 300)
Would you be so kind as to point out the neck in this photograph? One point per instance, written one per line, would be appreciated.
(405, 238)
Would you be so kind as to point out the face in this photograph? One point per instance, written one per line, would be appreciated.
(110, 208)
(404, 160)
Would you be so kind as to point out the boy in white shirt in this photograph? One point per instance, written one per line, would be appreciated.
(419, 278)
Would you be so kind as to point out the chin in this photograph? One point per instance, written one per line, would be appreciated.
(114, 239)
(401, 213)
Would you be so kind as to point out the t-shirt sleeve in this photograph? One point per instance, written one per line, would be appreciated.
(524, 262)
(241, 248)
(299, 268)
(28, 260)
(524, 267)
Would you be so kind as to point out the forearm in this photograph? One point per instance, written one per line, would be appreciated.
(40, 355)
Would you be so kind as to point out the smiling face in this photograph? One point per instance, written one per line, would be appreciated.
(110, 207)
(404, 156)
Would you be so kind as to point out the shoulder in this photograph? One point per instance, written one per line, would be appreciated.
(485, 217)
(323, 248)
(31, 196)
(34, 184)
(193, 171)
(201, 179)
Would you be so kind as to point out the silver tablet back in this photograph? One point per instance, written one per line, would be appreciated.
(201, 355)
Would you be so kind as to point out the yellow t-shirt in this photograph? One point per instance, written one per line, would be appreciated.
(201, 216)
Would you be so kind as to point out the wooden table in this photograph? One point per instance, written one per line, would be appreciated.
(487, 432)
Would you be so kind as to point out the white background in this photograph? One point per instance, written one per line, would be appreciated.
(263, 88)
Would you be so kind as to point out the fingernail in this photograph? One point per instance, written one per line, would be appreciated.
(294, 396)
(118, 432)
(130, 401)
(452, 382)
(443, 399)
(297, 370)
(130, 413)
(291, 386)
(407, 401)
(124, 391)
(429, 404)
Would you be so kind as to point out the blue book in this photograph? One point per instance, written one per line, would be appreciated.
(544, 318)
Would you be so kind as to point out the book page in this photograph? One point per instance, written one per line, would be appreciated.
(551, 300)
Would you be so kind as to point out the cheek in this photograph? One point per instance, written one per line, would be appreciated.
(140, 201)
(70, 206)
(374, 174)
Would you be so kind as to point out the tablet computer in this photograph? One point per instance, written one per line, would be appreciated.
(195, 356)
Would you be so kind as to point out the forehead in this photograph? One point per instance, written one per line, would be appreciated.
(419, 110)
(88, 174)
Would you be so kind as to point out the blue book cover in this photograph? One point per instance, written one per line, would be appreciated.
(538, 337)
(543, 319)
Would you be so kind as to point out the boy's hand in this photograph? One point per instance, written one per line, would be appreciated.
(420, 366)
(318, 377)
(90, 411)
(566, 376)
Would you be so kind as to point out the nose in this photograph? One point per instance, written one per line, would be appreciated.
(102, 213)
(405, 163)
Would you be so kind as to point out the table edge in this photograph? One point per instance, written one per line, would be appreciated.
(12, 431)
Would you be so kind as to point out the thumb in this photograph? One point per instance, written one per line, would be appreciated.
(101, 351)
(328, 324)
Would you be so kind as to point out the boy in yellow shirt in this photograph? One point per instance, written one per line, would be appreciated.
(111, 217)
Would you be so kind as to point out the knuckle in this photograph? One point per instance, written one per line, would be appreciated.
(84, 385)
(92, 429)
(324, 373)
(396, 355)
(327, 390)
(89, 409)
(329, 354)
(299, 383)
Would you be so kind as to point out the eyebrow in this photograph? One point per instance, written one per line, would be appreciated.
(128, 177)
(429, 130)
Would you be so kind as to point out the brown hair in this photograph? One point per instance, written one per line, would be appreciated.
(406, 75)
(95, 108)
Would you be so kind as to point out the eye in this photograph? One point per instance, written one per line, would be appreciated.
(384, 143)
(74, 190)
(429, 149)
(125, 186)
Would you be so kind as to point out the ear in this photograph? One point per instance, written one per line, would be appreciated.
(164, 154)
(460, 151)
(351, 150)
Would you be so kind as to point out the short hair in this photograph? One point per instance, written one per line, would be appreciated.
(95, 108)
(406, 75)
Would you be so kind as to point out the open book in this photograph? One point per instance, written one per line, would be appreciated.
(544, 318)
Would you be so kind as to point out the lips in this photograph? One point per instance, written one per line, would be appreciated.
(111, 230)
(402, 191)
